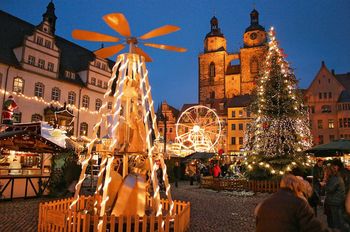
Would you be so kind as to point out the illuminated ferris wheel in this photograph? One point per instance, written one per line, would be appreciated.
(198, 128)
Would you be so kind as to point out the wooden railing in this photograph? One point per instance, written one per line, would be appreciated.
(56, 216)
(218, 184)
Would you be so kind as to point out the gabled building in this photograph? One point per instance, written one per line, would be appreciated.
(328, 101)
(44, 71)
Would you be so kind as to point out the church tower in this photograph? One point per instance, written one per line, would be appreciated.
(48, 25)
(211, 63)
(253, 53)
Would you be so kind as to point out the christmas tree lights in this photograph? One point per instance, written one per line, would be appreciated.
(280, 130)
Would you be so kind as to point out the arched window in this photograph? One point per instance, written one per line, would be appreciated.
(212, 69)
(84, 129)
(98, 104)
(86, 101)
(39, 89)
(37, 118)
(55, 94)
(254, 65)
(71, 98)
(18, 85)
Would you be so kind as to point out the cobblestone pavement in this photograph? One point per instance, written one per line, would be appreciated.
(210, 211)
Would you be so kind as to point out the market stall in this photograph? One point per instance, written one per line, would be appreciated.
(25, 159)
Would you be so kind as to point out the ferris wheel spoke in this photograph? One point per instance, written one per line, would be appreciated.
(190, 117)
(181, 124)
(210, 123)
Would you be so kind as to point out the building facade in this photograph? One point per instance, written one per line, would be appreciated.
(328, 101)
(51, 78)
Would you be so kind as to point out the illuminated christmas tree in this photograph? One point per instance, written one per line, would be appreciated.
(280, 130)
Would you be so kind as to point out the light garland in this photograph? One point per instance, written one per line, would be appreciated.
(281, 126)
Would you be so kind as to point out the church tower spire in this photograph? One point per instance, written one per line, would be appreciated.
(48, 23)
(214, 40)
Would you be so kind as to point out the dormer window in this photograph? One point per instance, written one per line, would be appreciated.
(39, 40)
(69, 74)
(48, 43)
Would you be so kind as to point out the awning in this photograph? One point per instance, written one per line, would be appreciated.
(334, 148)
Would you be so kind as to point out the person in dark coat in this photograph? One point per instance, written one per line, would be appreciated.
(177, 173)
(286, 211)
(335, 198)
(317, 174)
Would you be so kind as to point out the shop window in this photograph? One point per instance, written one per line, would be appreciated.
(39, 89)
(18, 85)
(98, 104)
(55, 94)
(83, 129)
(86, 101)
(37, 118)
(71, 98)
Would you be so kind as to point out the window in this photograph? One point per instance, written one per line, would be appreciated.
(99, 83)
(109, 106)
(39, 89)
(312, 109)
(212, 69)
(98, 64)
(233, 126)
(330, 123)
(329, 94)
(18, 85)
(248, 113)
(67, 74)
(31, 60)
(48, 43)
(233, 114)
(37, 118)
(319, 124)
(326, 109)
(233, 140)
(55, 94)
(72, 76)
(320, 139)
(103, 66)
(240, 140)
(71, 98)
(98, 104)
(240, 126)
(17, 117)
(325, 95)
(340, 123)
(39, 40)
(83, 128)
(171, 130)
(50, 66)
(240, 113)
(105, 85)
(86, 101)
(93, 81)
(41, 63)
(320, 95)
(254, 66)
(331, 138)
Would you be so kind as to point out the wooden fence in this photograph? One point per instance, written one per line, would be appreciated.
(218, 184)
(56, 216)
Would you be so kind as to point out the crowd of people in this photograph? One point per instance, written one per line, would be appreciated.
(294, 206)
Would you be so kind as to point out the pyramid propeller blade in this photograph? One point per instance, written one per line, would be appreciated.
(142, 53)
(109, 51)
(93, 36)
(119, 23)
(160, 31)
(166, 47)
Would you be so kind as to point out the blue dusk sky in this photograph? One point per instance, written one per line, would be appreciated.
(308, 31)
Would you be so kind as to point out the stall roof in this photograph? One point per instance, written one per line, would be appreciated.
(26, 140)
